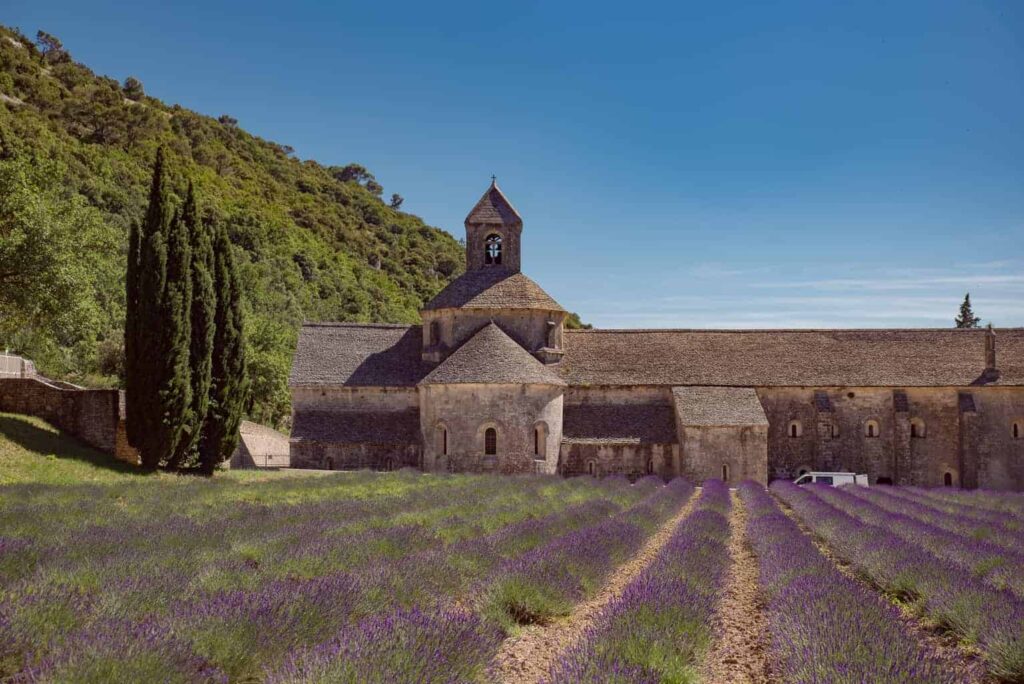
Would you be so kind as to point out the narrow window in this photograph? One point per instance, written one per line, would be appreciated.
(389, 464)
(1016, 430)
(650, 466)
(725, 473)
(835, 430)
(916, 428)
(871, 429)
(492, 249)
(947, 479)
(795, 429)
(435, 334)
(444, 441)
(490, 442)
(591, 468)
(536, 441)
(330, 463)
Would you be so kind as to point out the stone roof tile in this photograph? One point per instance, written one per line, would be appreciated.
(493, 288)
(357, 427)
(358, 355)
(618, 424)
(491, 357)
(807, 358)
(494, 208)
(718, 406)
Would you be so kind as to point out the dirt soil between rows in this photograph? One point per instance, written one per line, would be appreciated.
(529, 656)
(739, 654)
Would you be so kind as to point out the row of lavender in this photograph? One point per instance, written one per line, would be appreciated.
(825, 627)
(997, 558)
(239, 591)
(659, 629)
(948, 593)
(455, 644)
(384, 587)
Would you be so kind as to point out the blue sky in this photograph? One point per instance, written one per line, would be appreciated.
(710, 164)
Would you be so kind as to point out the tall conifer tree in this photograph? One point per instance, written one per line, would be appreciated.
(230, 388)
(145, 280)
(175, 348)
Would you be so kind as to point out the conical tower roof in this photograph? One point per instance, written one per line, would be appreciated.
(494, 208)
(492, 357)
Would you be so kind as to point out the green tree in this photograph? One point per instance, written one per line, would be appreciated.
(967, 319)
(202, 312)
(176, 351)
(51, 48)
(48, 241)
(133, 89)
(396, 201)
(230, 385)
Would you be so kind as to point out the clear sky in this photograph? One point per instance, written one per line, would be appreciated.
(705, 164)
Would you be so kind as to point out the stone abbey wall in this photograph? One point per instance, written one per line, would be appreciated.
(93, 416)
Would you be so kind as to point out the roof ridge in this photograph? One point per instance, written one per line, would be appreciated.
(347, 324)
(788, 330)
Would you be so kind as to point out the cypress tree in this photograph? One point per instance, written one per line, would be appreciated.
(967, 319)
(230, 387)
(202, 311)
(175, 325)
(145, 279)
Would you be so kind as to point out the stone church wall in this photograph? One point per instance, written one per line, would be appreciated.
(467, 410)
(601, 459)
(527, 327)
(334, 456)
(989, 442)
(729, 453)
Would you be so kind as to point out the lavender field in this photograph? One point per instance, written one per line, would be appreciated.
(408, 577)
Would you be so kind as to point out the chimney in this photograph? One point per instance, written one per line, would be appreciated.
(990, 350)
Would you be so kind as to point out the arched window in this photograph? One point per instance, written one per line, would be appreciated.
(650, 466)
(916, 428)
(871, 428)
(492, 249)
(329, 463)
(947, 479)
(591, 467)
(490, 442)
(435, 334)
(795, 428)
(540, 440)
(835, 430)
(1018, 429)
(725, 473)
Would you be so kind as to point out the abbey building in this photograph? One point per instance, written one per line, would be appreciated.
(493, 382)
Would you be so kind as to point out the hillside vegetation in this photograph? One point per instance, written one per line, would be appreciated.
(313, 242)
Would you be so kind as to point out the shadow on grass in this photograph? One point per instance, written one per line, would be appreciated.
(44, 442)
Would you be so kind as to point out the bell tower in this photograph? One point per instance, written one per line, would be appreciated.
(493, 230)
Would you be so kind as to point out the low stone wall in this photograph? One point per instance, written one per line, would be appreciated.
(92, 416)
(310, 454)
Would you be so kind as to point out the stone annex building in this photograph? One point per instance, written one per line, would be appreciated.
(493, 382)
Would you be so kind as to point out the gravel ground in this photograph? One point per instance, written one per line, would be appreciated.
(739, 654)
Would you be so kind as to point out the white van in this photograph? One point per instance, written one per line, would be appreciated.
(834, 479)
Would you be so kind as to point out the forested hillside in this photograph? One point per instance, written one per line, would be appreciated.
(312, 242)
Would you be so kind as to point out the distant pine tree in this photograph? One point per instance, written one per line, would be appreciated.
(202, 312)
(229, 389)
(145, 281)
(967, 319)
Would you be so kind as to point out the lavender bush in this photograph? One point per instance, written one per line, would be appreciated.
(824, 626)
(953, 597)
(659, 628)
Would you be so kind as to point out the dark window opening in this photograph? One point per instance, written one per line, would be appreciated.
(884, 481)
(947, 479)
(794, 430)
(536, 441)
(1016, 430)
(490, 442)
(444, 441)
(725, 473)
(389, 464)
(330, 463)
(592, 468)
(434, 336)
(824, 479)
(650, 466)
(492, 250)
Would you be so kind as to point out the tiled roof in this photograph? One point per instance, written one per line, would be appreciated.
(718, 406)
(494, 208)
(493, 288)
(358, 355)
(261, 440)
(618, 424)
(759, 358)
(358, 427)
(491, 356)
